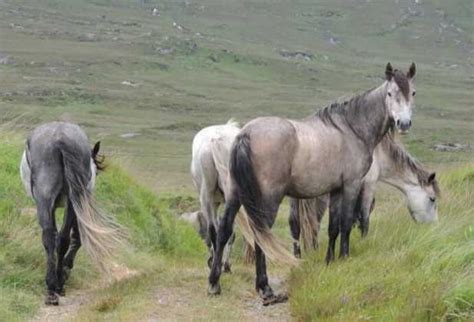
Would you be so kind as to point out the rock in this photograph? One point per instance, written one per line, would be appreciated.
(297, 55)
(129, 135)
(155, 12)
(129, 83)
(164, 50)
(450, 147)
(4, 59)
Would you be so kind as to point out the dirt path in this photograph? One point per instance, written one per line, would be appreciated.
(185, 299)
(66, 310)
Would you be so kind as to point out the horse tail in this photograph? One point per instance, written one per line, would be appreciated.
(220, 157)
(250, 195)
(310, 212)
(100, 234)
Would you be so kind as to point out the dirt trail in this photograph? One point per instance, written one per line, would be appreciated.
(67, 308)
(184, 301)
(70, 304)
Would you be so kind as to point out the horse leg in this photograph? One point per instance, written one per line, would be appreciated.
(366, 207)
(295, 227)
(228, 246)
(334, 223)
(232, 206)
(74, 246)
(261, 281)
(207, 208)
(47, 222)
(227, 252)
(321, 204)
(350, 195)
(63, 246)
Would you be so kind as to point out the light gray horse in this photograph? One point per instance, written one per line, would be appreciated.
(58, 168)
(209, 170)
(330, 151)
(393, 165)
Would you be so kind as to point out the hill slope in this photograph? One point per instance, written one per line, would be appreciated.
(146, 84)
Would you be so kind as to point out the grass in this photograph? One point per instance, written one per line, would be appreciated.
(68, 59)
(402, 271)
(155, 234)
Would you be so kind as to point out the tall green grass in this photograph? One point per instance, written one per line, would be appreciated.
(403, 271)
(154, 234)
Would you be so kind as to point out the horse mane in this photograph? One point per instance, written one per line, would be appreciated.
(327, 113)
(403, 159)
(233, 122)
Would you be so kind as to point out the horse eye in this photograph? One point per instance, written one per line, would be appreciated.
(389, 94)
(432, 199)
(414, 93)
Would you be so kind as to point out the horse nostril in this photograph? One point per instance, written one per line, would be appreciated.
(398, 122)
(409, 123)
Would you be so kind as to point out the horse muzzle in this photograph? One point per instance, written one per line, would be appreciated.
(403, 126)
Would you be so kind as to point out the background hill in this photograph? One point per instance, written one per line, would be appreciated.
(144, 84)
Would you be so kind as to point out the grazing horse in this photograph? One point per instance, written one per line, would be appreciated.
(328, 152)
(58, 168)
(393, 165)
(209, 170)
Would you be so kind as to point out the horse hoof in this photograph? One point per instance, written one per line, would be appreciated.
(275, 299)
(266, 292)
(214, 290)
(51, 299)
(227, 268)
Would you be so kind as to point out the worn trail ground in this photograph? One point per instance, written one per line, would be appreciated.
(185, 301)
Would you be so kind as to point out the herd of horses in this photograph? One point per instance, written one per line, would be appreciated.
(331, 159)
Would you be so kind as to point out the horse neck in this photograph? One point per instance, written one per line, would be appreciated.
(369, 117)
(398, 175)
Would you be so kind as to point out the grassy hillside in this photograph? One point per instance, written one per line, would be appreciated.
(154, 233)
(145, 84)
(402, 271)
(201, 63)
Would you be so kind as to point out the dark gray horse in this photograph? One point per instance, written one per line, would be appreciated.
(329, 152)
(58, 168)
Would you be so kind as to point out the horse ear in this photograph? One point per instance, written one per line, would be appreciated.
(96, 149)
(432, 177)
(389, 71)
(412, 71)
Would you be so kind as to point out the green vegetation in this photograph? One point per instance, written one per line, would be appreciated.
(155, 234)
(145, 84)
(402, 271)
(68, 59)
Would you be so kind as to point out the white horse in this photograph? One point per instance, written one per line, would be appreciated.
(209, 169)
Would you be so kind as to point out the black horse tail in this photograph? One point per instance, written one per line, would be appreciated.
(250, 195)
(100, 234)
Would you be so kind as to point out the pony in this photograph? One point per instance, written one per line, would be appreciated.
(209, 171)
(58, 168)
(393, 165)
(328, 152)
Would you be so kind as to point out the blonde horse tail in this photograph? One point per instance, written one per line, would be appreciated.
(242, 171)
(246, 230)
(308, 210)
(100, 234)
